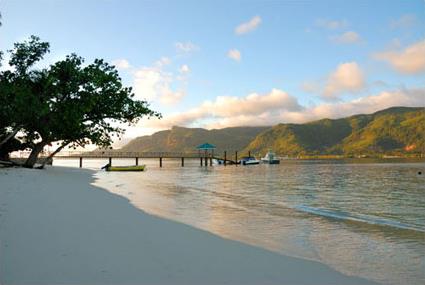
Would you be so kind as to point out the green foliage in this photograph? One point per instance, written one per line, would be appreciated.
(395, 130)
(26, 54)
(17, 93)
(180, 139)
(68, 101)
(398, 130)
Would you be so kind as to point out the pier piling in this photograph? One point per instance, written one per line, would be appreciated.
(205, 158)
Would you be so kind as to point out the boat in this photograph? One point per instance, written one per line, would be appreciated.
(249, 160)
(270, 158)
(221, 162)
(125, 168)
(218, 161)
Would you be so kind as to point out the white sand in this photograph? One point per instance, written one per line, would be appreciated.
(55, 228)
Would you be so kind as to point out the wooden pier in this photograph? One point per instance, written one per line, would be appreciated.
(205, 159)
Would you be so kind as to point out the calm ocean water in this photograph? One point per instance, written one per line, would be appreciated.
(363, 219)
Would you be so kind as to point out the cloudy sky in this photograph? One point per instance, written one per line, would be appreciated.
(215, 64)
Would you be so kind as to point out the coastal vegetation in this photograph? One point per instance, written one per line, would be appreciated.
(66, 104)
(395, 131)
(180, 139)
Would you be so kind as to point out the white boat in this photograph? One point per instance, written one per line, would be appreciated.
(218, 161)
(249, 160)
(270, 158)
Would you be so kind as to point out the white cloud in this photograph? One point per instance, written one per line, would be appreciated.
(121, 64)
(186, 47)
(170, 97)
(234, 54)
(163, 61)
(331, 24)
(154, 83)
(349, 37)
(405, 21)
(279, 107)
(311, 87)
(253, 103)
(235, 110)
(410, 60)
(249, 26)
(369, 104)
(146, 80)
(184, 69)
(348, 77)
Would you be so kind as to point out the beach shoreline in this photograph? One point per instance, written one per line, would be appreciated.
(57, 228)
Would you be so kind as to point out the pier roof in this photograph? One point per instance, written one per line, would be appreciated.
(206, 146)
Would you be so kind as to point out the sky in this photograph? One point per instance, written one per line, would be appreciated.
(216, 64)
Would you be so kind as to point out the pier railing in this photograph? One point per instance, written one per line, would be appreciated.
(120, 154)
(205, 157)
(128, 154)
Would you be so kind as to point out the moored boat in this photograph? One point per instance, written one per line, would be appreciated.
(126, 168)
(249, 160)
(270, 158)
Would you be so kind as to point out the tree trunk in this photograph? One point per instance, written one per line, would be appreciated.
(32, 159)
(52, 154)
(9, 136)
(8, 163)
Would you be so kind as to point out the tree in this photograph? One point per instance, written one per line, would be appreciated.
(71, 103)
(16, 87)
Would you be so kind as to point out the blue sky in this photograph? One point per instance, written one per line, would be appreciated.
(289, 61)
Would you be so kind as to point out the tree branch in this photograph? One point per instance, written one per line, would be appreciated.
(8, 137)
(64, 144)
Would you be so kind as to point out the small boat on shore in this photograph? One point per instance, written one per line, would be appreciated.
(270, 158)
(125, 168)
(249, 160)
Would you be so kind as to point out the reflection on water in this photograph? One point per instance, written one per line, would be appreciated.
(364, 219)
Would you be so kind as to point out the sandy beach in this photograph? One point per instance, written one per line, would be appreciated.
(56, 228)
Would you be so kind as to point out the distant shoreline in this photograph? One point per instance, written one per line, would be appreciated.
(383, 158)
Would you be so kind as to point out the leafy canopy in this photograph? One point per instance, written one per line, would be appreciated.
(69, 101)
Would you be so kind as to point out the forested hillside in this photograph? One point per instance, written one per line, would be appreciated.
(397, 130)
(180, 139)
(391, 131)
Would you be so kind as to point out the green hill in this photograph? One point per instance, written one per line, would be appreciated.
(396, 130)
(180, 139)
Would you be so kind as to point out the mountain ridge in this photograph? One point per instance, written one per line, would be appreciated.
(182, 139)
(387, 131)
(395, 130)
